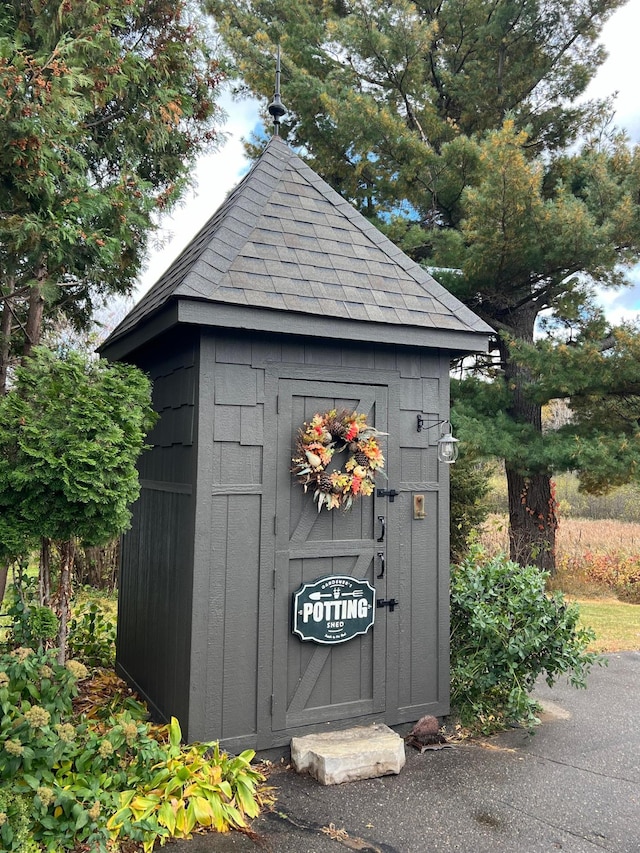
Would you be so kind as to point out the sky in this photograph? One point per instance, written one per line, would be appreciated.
(218, 172)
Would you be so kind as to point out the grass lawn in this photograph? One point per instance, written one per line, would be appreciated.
(616, 624)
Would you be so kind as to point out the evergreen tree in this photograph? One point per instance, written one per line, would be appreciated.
(103, 107)
(71, 430)
(457, 128)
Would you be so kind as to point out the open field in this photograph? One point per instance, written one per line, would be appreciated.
(598, 563)
(575, 536)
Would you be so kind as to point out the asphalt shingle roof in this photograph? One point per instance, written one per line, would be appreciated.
(285, 240)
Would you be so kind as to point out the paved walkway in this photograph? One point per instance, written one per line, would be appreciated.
(573, 786)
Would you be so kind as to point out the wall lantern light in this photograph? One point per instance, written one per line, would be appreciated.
(447, 444)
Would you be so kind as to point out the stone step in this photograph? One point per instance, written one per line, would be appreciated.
(362, 752)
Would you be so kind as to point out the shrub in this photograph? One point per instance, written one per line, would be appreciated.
(15, 823)
(617, 572)
(72, 783)
(468, 505)
(92, 635)
(31, 624)
(505, 632)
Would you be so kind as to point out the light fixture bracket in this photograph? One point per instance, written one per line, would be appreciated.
(447, 444)
(422, 423)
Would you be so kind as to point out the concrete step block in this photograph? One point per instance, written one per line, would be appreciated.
(362, 752)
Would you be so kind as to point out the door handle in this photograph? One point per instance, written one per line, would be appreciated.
(380, 556)
(383, 522)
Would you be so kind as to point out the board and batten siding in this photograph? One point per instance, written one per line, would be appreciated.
(234, 537)
(154, 605)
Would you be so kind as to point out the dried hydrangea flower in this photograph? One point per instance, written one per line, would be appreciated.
(77, 669)
(130, 731)
(66, 732)
(4, 679)
(22, 653)
(37, 717)
(94, 811)
(45, 671)
(46, 796)
(106, 749)
(13, 747)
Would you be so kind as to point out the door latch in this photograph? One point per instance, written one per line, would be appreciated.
(391, 603)
(388, 493)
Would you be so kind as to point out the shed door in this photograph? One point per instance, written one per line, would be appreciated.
(322, 683)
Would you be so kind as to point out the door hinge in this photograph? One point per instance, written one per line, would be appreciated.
(271, 703)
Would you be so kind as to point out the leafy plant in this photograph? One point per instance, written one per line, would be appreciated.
(77, 783)
(71, 430)
(506, 631)
(468, 505)
(92, 636)
(199, 786)
(43, 623)
(35, 678)
(15, 823)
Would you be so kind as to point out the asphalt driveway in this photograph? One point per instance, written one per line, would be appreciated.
(573, 786)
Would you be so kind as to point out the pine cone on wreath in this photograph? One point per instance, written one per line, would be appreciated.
(361, 458)
(336, 429)
(325, 484)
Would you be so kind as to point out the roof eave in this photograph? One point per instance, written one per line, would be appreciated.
(229, 316)
(190, 312)
(118, 347)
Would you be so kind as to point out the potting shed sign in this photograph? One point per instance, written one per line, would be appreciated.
(333, 609)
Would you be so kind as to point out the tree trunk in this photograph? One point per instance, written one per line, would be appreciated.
(44, 573)
(532, 520)
(33, 330)
(98, 566)
(4, 572)
(63, 597)
(532, 506)
(5, 336)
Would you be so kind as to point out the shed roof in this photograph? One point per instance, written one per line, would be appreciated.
(286, 253)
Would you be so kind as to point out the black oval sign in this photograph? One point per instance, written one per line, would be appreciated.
(333, 609)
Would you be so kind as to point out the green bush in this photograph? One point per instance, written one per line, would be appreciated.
(15, 823)
(468, 502)
(31, 624)
(505, 632)
(72, 783)
(92, 635)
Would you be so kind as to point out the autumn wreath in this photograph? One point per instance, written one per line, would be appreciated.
(317, 443)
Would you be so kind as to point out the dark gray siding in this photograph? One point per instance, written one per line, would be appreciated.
(424, 617)
(233, 597)
(154, 618)
(227, 542)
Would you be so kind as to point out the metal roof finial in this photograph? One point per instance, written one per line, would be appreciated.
(276, 107)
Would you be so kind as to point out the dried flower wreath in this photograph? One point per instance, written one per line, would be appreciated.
(317, 443)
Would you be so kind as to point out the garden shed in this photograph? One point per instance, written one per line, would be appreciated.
(288, 304)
